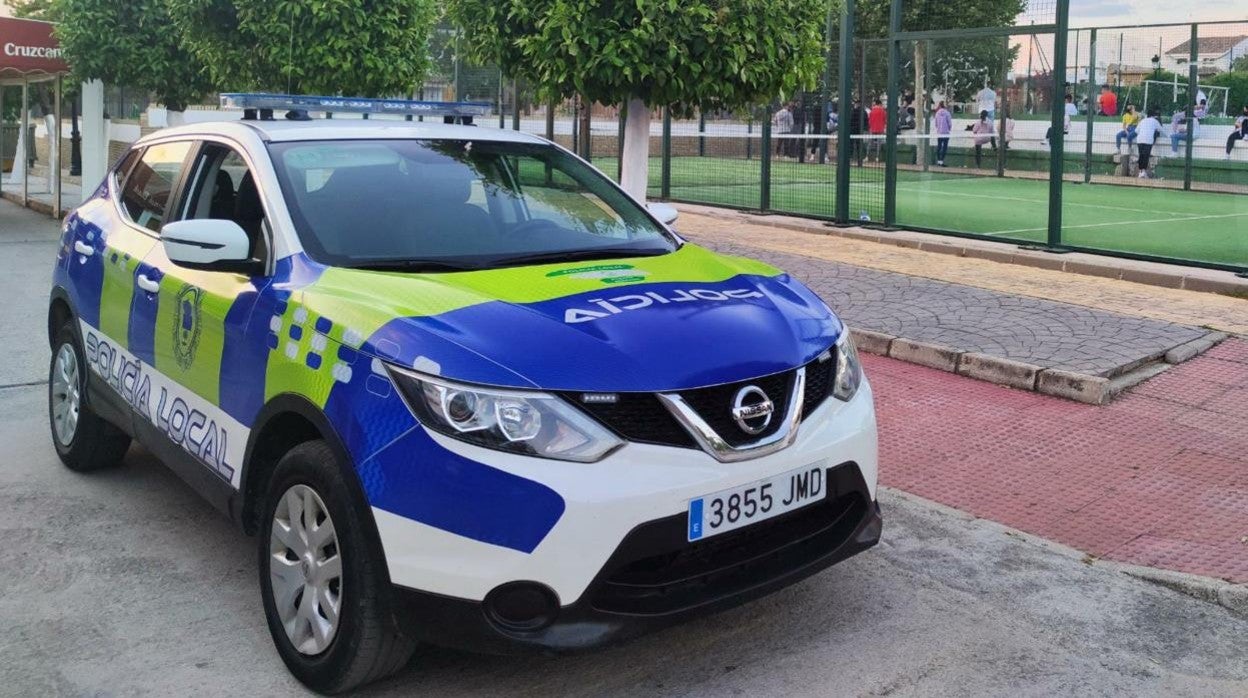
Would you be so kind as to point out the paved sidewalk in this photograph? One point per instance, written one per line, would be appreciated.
(1184, 307)
(1159, 478)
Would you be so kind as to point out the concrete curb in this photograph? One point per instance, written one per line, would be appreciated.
(1150, 273)
(1080, 387)
(1233, 597)
(33, 205)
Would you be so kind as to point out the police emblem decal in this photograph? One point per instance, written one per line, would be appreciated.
(186, 326)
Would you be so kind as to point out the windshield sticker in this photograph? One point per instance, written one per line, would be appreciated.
(607, 273)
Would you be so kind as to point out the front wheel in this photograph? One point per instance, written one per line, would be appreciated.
(83, 440)
(324, 597)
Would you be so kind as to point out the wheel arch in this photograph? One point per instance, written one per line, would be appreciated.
(60, 310)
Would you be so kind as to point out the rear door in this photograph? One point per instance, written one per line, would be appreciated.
(110, 239)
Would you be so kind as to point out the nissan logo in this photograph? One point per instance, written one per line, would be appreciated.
(752, 409)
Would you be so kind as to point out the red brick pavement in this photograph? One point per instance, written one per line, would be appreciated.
(1159, 477)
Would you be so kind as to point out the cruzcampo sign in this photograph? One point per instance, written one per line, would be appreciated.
(28, 47)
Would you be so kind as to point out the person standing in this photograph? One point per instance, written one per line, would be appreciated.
(1145, 137)
(1240, 133)
(1130, 120)
(782, 124)
(987, 99)
(983, 135)
(944, 125)
(1108, 101)
(877, 124)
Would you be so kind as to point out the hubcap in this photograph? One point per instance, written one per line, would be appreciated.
(66, 397)
(305, 570)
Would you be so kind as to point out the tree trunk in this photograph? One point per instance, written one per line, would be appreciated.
(920, 103)
(636, 162)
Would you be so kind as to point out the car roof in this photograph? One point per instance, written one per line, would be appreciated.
(344, 129)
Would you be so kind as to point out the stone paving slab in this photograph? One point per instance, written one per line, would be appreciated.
(1042, 333)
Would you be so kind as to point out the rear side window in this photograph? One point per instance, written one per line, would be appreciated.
(150, 184)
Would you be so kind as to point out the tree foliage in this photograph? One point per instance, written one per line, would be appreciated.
(129, 42)
(680, 53)
(357, 47)
(1237, 94)
(43, 10)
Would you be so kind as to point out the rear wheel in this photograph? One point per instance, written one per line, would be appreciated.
(324, 597)
(83, 440)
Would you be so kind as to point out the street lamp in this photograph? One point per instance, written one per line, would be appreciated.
(1156, 67)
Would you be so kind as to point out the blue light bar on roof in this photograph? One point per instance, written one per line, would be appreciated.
(354, 105)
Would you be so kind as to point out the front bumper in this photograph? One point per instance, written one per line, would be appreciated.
(655, 578)
(603, 503)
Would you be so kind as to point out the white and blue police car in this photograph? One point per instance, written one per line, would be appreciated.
(461, 387)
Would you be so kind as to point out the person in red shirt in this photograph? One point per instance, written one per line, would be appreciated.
(1109, 102)
(877, 120)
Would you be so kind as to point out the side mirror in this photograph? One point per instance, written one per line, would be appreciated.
(209, 245)
(666, 213)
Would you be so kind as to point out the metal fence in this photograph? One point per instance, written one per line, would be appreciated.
(1052, 164)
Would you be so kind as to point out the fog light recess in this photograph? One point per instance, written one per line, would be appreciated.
(521, 606)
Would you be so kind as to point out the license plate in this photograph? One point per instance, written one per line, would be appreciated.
(730, 509)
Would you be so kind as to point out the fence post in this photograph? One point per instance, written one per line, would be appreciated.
(846, 104)
(1057, 116)
(1192, 90)
(894, 114)
(749, 136)
(665, 177)
(825, 94)
(701, 132)
(619, 142)
(515, 105)
(1087, 153)
(502, 113)
(764, 171)
(1005, 110)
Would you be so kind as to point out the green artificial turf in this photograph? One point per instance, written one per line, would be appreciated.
(1184, 225)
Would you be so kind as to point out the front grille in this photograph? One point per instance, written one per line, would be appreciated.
(714, 405)
(638, 417)
(819, 377)
(642, 418)
(656, 571)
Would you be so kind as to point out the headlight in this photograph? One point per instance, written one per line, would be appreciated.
(848, 368)
(528, 423)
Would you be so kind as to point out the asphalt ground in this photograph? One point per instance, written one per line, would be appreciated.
(124, 582)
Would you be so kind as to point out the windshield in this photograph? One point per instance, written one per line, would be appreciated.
(446, 205)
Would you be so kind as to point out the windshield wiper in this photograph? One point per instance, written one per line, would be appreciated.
(578, 256)
(412, 266)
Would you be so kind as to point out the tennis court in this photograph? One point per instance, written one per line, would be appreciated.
(1204, 226)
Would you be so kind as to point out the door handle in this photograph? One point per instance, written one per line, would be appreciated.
(147, 284)
(83, 248)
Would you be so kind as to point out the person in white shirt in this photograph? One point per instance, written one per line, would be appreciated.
(987, 98)
(1071, 110)
(1145, 137)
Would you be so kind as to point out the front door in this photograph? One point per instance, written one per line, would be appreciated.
(198, 318)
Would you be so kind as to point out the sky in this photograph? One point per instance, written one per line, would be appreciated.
(1090, 13)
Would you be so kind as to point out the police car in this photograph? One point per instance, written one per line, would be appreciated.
(461, 387)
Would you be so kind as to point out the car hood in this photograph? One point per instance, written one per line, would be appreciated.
(688, 319)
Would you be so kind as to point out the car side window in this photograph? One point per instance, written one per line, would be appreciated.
(150, 184)
(225, 189)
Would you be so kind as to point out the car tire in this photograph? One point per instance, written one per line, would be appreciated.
(84, 441)
(330, 650)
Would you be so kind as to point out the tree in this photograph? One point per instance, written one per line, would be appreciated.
(366, 48)
(129, 43)
(43, 10)
(1240, 64)
(1237, 93)
(684, 54)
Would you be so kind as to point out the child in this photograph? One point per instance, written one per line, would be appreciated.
(1129, 122)
(944, 124)
(1240, 133)
(983, 134)
(1145, 137)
